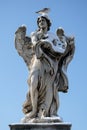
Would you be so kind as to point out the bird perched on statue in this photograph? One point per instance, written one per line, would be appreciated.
(43, 11)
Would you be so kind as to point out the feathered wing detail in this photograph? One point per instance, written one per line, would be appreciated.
(23, 45)
(63, 85)
(63, 64)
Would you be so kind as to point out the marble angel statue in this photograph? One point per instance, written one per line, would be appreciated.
(47, 56)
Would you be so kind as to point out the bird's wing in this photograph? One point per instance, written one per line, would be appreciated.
(43, 11)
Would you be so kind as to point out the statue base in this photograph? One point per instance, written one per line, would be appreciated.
(41, 126)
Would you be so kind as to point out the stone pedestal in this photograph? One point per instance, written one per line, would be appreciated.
(41, 126)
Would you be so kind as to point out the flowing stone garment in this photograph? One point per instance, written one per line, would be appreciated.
(47, 61)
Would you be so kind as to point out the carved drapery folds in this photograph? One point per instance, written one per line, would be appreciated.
(47, 59)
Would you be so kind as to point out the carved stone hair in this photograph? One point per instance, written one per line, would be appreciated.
(47, 20)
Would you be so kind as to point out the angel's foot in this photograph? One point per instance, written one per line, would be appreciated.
(23, 120)
(32, 114)
(28, 117)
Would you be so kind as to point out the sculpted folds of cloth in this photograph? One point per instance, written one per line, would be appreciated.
(47, 57)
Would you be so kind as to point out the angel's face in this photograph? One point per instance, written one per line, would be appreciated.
(42, 23)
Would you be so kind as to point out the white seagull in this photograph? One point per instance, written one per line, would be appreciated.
(43, 11)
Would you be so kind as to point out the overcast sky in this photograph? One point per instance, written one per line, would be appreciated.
(72, 16)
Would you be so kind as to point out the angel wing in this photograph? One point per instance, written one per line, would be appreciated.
(23, 45)
(65, 60)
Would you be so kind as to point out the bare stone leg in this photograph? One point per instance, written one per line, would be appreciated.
(48, 99)
(34, 95)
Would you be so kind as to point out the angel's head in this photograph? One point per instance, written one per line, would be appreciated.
(44, 21)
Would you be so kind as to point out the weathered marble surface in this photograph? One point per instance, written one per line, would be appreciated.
(47, 56)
